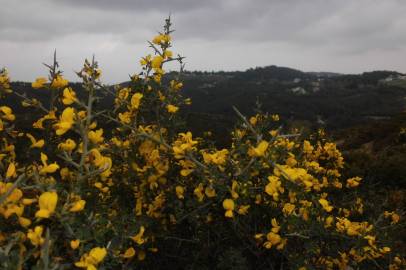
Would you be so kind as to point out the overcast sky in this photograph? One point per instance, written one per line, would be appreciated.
(348, 36)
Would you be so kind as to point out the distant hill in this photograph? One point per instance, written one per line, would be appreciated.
(312, 98)
(335, 100)
(324, 74)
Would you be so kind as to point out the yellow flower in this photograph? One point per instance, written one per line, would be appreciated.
(91, 260)
(66, 121)
(243, 209)
(157, 39)
(69, 96)
(353, 182)
(68, 145)
(125, 117)
(39, 123)
(291, 161)
(97, 73)
(275, 226)
(34, 142)
(179, 192)
(59, 82)
(218, 157)
(107, 164)
(168, 54)
(161, 39)
(158, 75)
(123, 94)
(210, 192)
(352, 228)
(233, 190)
(393, 215)
(292, 174)
(288, 208)
(397, 260)
(171, 108)
(27, 201)
(138, 238)
(157, 62)
(65, 173)
(274, 132)
(102, 162)
(162, 97)
(274, 187)
(39, 83)
(15, 195)
(24, 222)
(8, 113)
(258, 151)
(82, 114)
(228, 205)
(51, 168)
(273, 239)
(183, 144)
(93, 125)
(199, 192)
(119, 143)
(135, 100)
(96, 136)
(13, 209)
(385, 250)
(11, 171)
(35, 235)
(187, 167)
(254, 120)
(47, 204)
(74, 244)
(78, 206)
(145, 60)
(307, 147)
(259, 236)
(175, 85)
(329, 220)
(395, 218)
(325, 204)
(129, 253)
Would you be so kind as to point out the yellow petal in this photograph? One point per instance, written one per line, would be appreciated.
(78, 206)
(11, 170)
(129, 253)
(42, 213)
(74, 244)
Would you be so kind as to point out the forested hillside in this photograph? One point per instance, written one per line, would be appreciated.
(311, 99)
(335, 100)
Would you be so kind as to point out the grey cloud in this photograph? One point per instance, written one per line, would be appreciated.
(46, 20)
(138, 6)
(247, 21)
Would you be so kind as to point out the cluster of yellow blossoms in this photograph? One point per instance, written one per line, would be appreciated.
(114, 188)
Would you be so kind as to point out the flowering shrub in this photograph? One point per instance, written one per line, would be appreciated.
(145, 192)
